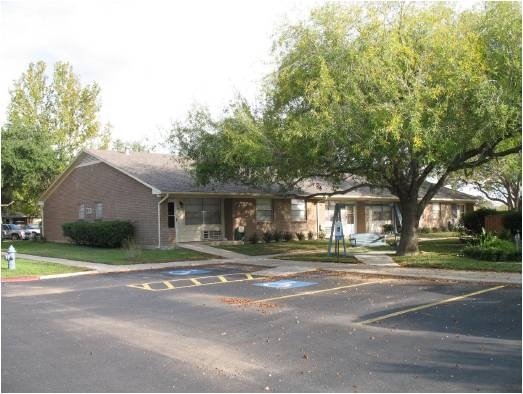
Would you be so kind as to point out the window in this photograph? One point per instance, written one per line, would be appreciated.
(202, 211)
(170, 214)
(81, 212)
(380, 212)
(329, 211)
(436, 210)
(346, 212)
(99, 210)
(298, 210)
(263, 210)
(458, 210)
(349, 209)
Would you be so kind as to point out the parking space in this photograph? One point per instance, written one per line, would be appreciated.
(377, 302)
(226, 328)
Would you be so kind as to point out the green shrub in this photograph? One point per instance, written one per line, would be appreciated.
(491, 248)
(267, 236)
(254, 238)
(133, 251)
(475, 221)
(493, 253)
(300, 235)
(277, 236)
(388, 228)
(310, 235)
(102, 234)
(512, 221)
(287, 236)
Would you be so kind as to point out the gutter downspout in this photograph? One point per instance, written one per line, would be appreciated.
(42, 223)
(317, 220)
(159, 227)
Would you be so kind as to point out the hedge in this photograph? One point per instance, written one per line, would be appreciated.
(493, 253)
(104, 234)
(475, 221)
(512, 221)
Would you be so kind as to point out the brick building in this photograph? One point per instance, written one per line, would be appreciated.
(160, 197)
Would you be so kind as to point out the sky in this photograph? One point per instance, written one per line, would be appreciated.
(153, 60)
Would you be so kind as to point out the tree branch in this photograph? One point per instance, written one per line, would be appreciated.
(485, 152)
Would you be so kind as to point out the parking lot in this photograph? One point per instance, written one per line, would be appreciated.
(225, 328)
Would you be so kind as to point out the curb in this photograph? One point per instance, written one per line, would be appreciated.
(21, 279)
(44, 277)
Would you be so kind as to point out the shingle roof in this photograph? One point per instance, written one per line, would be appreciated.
(319, 185)
(164, 173)
(167, 174)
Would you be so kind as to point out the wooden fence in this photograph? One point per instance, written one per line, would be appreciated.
(494, 224)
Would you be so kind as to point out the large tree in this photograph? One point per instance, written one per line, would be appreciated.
(498, 180)
(48, 122)
(396, 92)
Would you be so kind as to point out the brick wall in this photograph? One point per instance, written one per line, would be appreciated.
(244, 214)
(122, 197)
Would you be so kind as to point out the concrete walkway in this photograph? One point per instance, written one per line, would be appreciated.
(378, 263)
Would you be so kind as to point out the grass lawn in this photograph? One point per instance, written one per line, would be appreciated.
(435, 253)
(36, 268)
(446, 254)
(102, 255)
(439, 234)
(321, 257)
(293, 247)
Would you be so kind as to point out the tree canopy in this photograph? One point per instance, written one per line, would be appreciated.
(498, 180)
(399, 93)
(48, 123)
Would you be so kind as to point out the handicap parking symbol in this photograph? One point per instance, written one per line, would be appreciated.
(195, 271)
(285, 284)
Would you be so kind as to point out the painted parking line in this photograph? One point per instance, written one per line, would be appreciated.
(314, 292)
(194, 282)
(430, 305)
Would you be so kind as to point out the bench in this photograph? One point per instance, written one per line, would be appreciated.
(367, 239)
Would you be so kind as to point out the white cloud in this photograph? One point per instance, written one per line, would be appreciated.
(152, 59)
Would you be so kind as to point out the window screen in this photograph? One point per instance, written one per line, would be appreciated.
(202, 211)
(263, 210)
(298, 211)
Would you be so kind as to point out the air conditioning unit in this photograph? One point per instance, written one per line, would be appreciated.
(211, 235)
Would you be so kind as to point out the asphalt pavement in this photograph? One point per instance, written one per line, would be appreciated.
(372, 263)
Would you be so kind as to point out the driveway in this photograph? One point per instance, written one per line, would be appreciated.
(222, 328)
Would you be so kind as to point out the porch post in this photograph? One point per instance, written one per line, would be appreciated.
(159, 219)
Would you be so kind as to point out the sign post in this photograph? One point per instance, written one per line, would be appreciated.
(337, 231)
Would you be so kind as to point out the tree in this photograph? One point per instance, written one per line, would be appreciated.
(498, 180)
(48, 123)
(394, 92)
(135, 146)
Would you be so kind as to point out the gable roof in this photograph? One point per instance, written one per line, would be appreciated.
(163, 173)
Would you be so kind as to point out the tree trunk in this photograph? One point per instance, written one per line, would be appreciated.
(410, 214)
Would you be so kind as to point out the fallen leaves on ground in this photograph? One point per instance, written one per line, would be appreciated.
(246, 302)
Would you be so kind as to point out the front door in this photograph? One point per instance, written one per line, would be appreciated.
(348, 218)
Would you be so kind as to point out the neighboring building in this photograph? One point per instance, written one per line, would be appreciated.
(163, 201)
(19, 218)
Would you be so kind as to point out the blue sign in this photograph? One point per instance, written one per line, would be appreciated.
(285, 284)
(195, 271)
